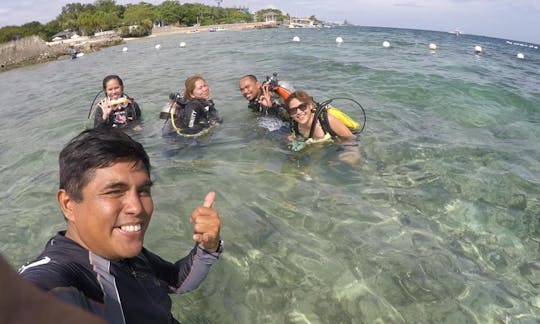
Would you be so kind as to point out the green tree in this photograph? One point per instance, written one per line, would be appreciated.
(32, 28)
(91, 22)
(169, 12)
(109, 6)
(70, 14)
(238, 16)
(51, 28)
(196, 13)
(86, 19)
(136, 14)
(9, 33)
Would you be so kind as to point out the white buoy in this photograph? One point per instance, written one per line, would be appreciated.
(124, 49)
(182, 44)
(478, 49)
(386, 44)
(296, 39)
(520, 56)
(158, 46)
(339, 40)
(432, 46)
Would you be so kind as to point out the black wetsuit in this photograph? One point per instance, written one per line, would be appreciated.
(133, 290)
(119, 118)
(192, 116)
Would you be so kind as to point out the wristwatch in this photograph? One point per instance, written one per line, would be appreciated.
(220, 247)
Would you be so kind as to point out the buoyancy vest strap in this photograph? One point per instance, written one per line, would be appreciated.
(172, 111)
(315, 119)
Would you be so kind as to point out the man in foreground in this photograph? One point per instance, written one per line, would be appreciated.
(99, 263)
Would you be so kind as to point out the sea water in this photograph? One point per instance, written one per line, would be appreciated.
(439, 223)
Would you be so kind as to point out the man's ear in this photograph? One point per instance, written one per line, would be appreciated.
(66, 204)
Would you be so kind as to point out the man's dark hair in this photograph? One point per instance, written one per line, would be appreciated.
(250, 76)
(112, 77)
(94, 149)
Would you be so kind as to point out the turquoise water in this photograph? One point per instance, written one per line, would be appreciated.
(439, 224)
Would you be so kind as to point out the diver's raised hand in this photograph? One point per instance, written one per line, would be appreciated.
(105, 108)
(265, 99)
(206, 224)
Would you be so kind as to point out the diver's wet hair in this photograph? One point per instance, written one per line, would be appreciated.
(190, 85)
(251, 77)
(112, 77)
(93, 149)
(299, 95)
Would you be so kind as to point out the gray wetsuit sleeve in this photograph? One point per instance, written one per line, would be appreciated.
(201, 263)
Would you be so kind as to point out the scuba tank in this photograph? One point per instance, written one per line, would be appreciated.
(282, 88)
(175, 99)
(343, 117)
(165, 111)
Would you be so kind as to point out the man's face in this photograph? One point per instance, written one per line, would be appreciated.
(249, 88)
(114, 213)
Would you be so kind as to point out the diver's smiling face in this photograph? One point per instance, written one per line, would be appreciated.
(299, 111)
(249, 88)
(113, 89)
(112, 217)
(201, 91)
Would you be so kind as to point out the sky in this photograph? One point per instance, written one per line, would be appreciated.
(517, 20)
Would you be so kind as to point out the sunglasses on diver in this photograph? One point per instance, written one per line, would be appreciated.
(294, 110)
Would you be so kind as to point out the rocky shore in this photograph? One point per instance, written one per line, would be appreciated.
(33, 50)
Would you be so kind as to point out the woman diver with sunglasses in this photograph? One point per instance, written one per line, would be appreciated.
(116, 109)
(310, 126)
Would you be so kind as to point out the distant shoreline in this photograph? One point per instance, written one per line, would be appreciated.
(33, 50)
(171, 30)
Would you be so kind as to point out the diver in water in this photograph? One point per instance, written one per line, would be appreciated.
(262, 99)
(192, 114)
(72, 52)
(313, 124)
(116, 109)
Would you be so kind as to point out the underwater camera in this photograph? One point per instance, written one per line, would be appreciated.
(271, 81)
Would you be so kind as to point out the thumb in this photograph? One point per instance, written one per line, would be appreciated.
(209, 199)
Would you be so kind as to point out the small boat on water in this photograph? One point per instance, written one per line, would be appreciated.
(302, 23)
(456, 32)
(216, 29)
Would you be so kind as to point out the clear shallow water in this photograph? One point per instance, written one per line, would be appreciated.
(440, 223)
